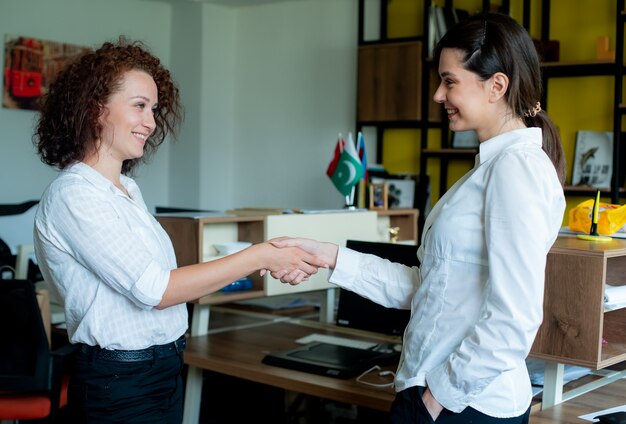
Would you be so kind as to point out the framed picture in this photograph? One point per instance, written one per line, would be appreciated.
(400, 191)
(464, 139)
(30, 65)
(379, 197)
(593, 159)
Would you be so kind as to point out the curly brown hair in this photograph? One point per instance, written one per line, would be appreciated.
(68, 127)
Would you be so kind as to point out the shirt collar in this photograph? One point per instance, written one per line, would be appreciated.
(492, 147)
(100, 181)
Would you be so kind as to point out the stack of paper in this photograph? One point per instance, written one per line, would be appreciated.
(614, 297)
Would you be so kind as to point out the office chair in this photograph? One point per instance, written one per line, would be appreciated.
(16, 231)
(33, 381)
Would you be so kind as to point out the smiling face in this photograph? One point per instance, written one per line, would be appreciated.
(128, 119)
(464, 96)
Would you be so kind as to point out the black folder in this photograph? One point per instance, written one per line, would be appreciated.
(331, 360)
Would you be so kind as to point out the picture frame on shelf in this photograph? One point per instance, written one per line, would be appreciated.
(593, 159)
(379, 198)
(400, 191)
(464, 139)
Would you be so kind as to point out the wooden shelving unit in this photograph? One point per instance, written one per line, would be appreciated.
(614, 68)
(422, 80)
(576, 329)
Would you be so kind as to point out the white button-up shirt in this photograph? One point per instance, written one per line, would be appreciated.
(477, 297)
(109, 261)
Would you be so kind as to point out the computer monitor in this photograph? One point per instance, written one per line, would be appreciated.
(357, 312)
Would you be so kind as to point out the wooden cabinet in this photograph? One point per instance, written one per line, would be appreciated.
(390, 83)
(576, 330)
(194, 237)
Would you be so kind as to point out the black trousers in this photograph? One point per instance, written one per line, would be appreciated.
(408, 408)
(104, 390)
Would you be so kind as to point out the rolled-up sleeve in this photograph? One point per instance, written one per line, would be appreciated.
(105, 243)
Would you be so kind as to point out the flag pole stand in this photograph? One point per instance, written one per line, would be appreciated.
(350, 200)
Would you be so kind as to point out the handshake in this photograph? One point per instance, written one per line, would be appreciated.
(292, 260)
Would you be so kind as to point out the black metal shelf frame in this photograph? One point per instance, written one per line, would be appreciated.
(549, 70)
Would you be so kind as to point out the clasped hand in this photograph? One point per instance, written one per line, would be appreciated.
(318, 255)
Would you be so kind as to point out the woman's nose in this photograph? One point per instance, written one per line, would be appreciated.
(439, 96)
(149, 122)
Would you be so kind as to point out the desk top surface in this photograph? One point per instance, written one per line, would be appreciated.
(238, 350)
(567, 243)
(237, 343)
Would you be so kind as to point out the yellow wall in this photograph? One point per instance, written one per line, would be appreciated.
(582, 103)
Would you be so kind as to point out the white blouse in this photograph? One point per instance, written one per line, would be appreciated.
(109, 261)
(477, 298)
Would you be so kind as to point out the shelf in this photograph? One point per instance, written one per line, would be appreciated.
(223, 297)
(432, 123)
(579, 69)
(586, 190)
(405, 220)
(450, 153)
(392, 40)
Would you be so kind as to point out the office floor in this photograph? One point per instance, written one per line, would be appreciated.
(228, 400)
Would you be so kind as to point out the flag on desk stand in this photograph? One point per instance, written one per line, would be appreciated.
(345, 168)
(360, 147)
(333, 163)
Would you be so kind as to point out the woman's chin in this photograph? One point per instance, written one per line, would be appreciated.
(454, 126)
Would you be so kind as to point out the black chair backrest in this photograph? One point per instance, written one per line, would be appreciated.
(17, 208)
(24, 349)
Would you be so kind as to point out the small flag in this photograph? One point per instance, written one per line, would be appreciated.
(360, 146)
(345, 169)
(333, 163)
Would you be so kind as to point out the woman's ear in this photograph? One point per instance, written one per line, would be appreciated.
(499, 86)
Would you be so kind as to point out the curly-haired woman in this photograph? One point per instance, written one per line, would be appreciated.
(110, 262)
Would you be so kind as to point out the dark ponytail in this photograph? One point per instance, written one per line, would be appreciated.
(493, 42)
(551, 141)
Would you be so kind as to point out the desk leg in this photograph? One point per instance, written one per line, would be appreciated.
(327, 306)
(193, 388)
(200, 320)
(193, 396)
(552, 385)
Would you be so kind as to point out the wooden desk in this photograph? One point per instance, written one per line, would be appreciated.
(238, 352)
(605, 397)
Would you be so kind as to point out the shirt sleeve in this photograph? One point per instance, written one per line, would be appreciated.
(387, 283)
(90, 229)
(519, 224)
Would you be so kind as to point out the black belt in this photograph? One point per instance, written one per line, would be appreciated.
(147, 354)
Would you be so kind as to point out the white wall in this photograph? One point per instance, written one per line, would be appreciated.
(84, 22)
(266, 89)
(185, 170)
(218, 163)
(296, 89)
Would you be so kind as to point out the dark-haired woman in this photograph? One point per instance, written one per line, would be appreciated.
(110, 262)
(477, 297)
